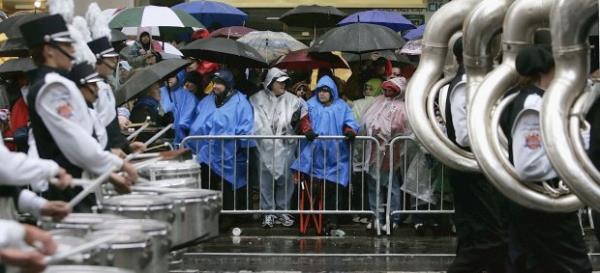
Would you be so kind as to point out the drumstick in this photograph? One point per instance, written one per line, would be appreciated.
(138, 131)
(166, 155)
(159, 134)
(156, 189)
(59, 257)
(155, 147)
(89, 189)
(98, 181)
(149, 141)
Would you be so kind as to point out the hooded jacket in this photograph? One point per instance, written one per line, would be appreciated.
(234, 117)
(361, 105)
(132, 53)
(278, 116)
(182, 104)
(384, 120)
(327, 159)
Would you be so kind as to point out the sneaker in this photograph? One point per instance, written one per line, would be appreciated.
(419, 229)
(370, 225)
(268, 221)
(337, 233)
(384, 226)
(356, 219)
(364, 220)
(285, 220)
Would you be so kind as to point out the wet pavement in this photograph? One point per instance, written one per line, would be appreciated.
(285, 250)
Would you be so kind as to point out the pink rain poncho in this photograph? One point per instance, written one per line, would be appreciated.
(386, 119)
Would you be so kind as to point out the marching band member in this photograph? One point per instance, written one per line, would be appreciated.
(62, 127)
(545, 242)
(478, 215)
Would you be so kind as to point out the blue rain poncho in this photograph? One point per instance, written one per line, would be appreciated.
(184, 111)
(165, 99)
(225, 158)
(327, 159)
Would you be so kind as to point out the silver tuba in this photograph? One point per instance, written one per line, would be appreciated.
(570, 22)
(479, 30)
(523, 18)
(447, 21)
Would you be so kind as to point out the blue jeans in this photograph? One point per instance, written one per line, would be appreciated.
(396, 201)
(275, 194)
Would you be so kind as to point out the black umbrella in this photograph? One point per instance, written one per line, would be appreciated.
(225, 51)
(17, 66)
(10, 26)
(117, 36)
(312, 16)
(14, 47)
(388, 54)
(147, 76)
(358, 38)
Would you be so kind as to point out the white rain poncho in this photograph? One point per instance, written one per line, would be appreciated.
(384, 120)
(273, 115)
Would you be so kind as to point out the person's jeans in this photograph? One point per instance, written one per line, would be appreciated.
(394, 203)
(275, 193)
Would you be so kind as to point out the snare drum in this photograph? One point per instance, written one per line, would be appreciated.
(159, 232)
(67, 242)
(172, 169)
(130, 250)
(196, 215)
(84, 269)
(175, 183)
(140, 207)
(79, 223)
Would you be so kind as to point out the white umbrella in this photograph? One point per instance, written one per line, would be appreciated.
(412, 48)
(272, 45)
(153, 16)
(171, 49)
(110, 13)
(133, 31)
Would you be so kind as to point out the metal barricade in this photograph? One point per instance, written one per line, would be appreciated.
(255, 175)
(421, 186)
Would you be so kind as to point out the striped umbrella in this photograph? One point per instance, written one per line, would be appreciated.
(153, 16)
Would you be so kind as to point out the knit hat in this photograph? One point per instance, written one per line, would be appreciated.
(396, 84)
(534, 60)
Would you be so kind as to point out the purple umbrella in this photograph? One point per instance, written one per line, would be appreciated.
(393, 20)
(231, 32)
(213, 13)
(415, 34)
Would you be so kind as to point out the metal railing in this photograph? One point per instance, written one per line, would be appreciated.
(242, 167)
(421, 179)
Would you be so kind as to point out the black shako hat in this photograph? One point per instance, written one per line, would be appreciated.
(45, 30)
(534, 60)
(102, 48)
(83, 73)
